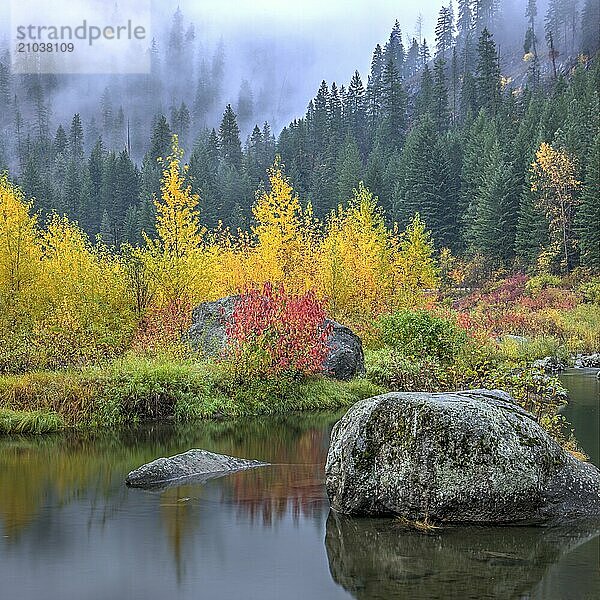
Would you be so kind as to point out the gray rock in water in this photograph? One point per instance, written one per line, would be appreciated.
(549, 364)
(473, 456)
(208, 333)
(197, 465)
(587, 361)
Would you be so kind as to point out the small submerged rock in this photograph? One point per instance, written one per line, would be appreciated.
(196, 465)
(473, 456)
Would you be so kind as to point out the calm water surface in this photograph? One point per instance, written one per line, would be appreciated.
(70, 529)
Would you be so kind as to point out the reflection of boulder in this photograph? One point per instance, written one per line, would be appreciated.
(473, 456)
(379, 559)
(344, 360)
(196, 466)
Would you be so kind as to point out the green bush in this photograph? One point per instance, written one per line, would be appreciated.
(540, 282)
(137, 388)
(387, 368)
(13, 421)
(419, 334)
(590, 290)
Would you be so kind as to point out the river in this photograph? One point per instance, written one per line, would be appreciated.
(70, 529)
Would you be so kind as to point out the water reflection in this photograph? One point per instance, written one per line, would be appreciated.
(379, 559)
(583, 411)
(71, 529)
(61, 468)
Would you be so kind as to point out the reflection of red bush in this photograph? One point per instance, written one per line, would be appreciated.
(294, 485)
(287, 331)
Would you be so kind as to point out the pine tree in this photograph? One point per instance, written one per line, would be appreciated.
(531, 236)
(393, 123)
(491, 226)
(5, 94)
(76, 138)
(349, 170)
(441, 111)
(245, 104)
(444, 33)
(202, 175)
(488, 74)
(319, 120)
(424, 102)
(375, 87)
(464, 23)
(356, 112)
(60, 141)
(229, 139)
(334, 126)
(394, 49)
(72, 190)
(411, 64)
(530, 45)
(590, 25)
(588, 216)
(561, 24)
(425, 185)
(424, 54)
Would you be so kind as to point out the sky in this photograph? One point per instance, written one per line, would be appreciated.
(312, 40)
(339, 34)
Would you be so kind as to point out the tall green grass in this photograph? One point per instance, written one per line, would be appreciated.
(12, 421)
(136, 389)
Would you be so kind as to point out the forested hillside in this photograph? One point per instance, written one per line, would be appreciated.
(447, 127)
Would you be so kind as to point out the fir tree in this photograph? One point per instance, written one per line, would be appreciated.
(230, 145)
(487, 74)
(348, 171)
(444, 33)
(76, 138)
(588, 217)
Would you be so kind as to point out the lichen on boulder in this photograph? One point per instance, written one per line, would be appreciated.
(473, 456)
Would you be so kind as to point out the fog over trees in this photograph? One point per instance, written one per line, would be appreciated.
(444, 119)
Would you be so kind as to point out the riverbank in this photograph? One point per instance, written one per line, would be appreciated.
(135, 389)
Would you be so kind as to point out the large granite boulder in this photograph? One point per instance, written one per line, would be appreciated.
(473, 456)
(209, 319)
(207, 333)
(196, 466)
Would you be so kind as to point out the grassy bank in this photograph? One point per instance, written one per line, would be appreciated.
(29, 421)
(135, 389)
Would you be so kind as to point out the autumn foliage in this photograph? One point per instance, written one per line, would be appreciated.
(66, 299)
(274, 332)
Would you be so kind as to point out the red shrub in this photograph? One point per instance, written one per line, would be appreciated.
(274, 332)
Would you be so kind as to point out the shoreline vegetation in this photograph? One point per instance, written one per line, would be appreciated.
(96, 336)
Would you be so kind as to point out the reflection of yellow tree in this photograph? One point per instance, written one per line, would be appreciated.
(64, 467)
(175, 516)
